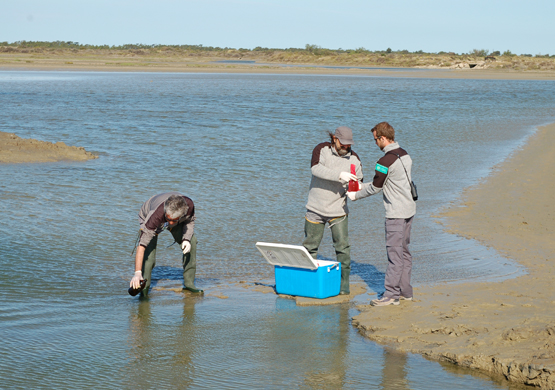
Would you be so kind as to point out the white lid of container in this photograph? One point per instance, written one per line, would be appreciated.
(290, 256)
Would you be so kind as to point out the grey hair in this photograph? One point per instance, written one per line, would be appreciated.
(175, 206)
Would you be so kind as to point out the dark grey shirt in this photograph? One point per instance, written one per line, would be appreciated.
(152, 218)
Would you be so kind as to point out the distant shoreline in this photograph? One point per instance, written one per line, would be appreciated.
(135, 63)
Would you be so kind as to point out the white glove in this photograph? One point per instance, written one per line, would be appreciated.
(186, 246)
(136, 281)
(352, 195)
(344, 177)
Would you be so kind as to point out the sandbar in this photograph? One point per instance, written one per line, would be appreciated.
(69, 61)
(502, 328)
(14, 149)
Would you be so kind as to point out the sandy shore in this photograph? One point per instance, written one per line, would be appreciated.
(10, 62)
(14, 149)
(505, 328)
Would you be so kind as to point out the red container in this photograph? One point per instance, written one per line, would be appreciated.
(353, 184)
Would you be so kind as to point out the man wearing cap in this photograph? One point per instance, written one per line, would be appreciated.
(331, 173)
(393, 176)
(168, 211)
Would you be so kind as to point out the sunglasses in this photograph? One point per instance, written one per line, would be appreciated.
(341, 145)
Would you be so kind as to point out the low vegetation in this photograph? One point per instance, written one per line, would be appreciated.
(140, 54)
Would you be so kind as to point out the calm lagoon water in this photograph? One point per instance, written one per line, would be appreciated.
(239, 145)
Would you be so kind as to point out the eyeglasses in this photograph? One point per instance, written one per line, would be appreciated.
(172, 220)
(376, 139)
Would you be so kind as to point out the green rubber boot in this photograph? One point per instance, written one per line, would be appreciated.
(190, 268)
(149, 261)
(313, 233)
(340, 237)
(189, 261)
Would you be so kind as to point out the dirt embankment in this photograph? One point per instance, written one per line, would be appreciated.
(14, 149)
(503, 328)
(169, 59)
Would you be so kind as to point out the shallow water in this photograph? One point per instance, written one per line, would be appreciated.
(248, 341)
(239, 146)
(250, 62)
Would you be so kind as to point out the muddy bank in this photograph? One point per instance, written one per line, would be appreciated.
(505, 328)
(14, 149)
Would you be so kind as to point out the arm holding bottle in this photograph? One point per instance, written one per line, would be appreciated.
(138, 276)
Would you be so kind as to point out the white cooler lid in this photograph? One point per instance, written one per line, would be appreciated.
(290, 256)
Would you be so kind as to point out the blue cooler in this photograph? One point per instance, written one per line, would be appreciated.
(297, 273)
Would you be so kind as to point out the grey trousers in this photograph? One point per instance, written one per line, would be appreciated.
(397, 240)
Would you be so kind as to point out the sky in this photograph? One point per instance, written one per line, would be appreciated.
(521, 26)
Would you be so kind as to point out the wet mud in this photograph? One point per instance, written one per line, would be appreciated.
(502, 328)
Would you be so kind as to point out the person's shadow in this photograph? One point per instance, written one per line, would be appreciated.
(373, 278)
(165, 273)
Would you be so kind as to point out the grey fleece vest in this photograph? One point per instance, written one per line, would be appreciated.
(391, 178)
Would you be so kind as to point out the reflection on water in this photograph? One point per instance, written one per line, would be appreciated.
(253, 340)
(394, 371)
(162, 352)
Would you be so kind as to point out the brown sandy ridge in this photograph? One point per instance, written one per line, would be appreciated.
(14, 149)
(503, 328)
(142, 61)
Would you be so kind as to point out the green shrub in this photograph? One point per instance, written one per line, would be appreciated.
(479, 52)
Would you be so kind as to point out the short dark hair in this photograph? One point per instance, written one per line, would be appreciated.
(384, 129)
